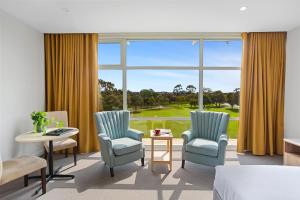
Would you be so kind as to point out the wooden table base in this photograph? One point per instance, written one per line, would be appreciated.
(166, 157)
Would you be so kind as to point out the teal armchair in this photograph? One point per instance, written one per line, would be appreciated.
(206, 142)
(119, 145)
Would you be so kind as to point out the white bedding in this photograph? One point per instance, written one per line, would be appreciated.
(257, 182)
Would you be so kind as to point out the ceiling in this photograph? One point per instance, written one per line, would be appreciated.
(155, 15)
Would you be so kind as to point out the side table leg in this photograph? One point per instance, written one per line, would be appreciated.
(168, 145)
(152, 153)
(170, 149)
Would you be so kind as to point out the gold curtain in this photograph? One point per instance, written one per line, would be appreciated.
(72, 80)
(262, 93)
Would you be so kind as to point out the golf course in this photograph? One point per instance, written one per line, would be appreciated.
(169, 110)
(178, 126)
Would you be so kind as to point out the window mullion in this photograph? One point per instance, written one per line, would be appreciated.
(200, 94)
(124, 72)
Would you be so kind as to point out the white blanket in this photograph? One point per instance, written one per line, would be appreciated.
(258, 182)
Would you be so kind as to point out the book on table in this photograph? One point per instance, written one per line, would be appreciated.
(58, 132)
(165, 131)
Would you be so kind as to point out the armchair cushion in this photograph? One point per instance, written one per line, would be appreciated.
(125, 145)
(203, 146)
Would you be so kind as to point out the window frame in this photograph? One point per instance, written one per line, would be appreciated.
(122, 38)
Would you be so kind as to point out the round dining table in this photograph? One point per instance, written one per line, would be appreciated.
(31, 137)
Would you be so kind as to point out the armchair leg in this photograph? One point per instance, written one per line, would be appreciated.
(43, 180)
(66, 153)
(111, 172)
(75, 155)
(182, 164)
(143, 161)
(25, 180)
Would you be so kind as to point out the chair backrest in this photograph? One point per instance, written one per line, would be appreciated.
(113, 123)
(58, 116)
(209, 125)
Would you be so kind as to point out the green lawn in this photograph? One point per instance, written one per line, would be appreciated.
(177, 127)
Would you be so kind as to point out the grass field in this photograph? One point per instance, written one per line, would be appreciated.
(178, 127)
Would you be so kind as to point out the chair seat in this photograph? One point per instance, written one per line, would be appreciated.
(19, 167)
(125, 145)
(202, 146)
(61, 144)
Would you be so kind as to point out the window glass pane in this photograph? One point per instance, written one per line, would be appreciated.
(221, 94)
(110, 88)
(224, 80)
(222, 53)
(177, 127)
(162, 93)
(109, 53)
(163, 53)
(233, 128)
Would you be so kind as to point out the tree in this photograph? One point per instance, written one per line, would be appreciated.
(111, 102)
(162, 99)
(180, 100)
(207, 96)
(230, 99)
(152, 101)
(135, 101)
(178, 92)
(233, 97)
(206, 99)
(106, 86)
(218, 98)
(192, 99)
(99, 102)
(147, 97)
(178, 89)
(171, 97)
(207, 90)
(109, 98)
(237, 96)
(191, 89)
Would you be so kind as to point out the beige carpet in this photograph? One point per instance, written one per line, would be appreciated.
(131, 181)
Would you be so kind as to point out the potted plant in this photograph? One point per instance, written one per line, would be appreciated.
(40, 121)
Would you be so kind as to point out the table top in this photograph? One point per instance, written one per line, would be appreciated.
(162, 136)
(31, 137)
(294, 141)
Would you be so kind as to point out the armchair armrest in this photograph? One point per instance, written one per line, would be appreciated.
(187, 136)
(223, 139)
(106, 148)
(104, 137)
(222, 143)
(135, 134)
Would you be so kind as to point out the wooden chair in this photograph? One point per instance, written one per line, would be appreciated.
(61, 144)
(21, 167)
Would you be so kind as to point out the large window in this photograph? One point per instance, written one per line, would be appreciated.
(160, 81)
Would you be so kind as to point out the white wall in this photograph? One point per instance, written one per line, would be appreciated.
(292, 85)
(22, 83)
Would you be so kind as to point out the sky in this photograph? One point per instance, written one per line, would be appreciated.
(173, 53)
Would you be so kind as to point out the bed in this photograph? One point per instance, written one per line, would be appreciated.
(257, 182)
